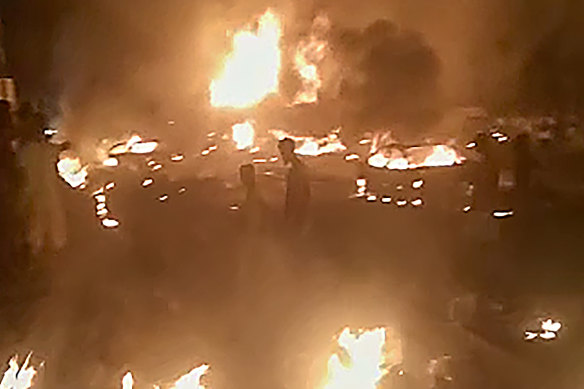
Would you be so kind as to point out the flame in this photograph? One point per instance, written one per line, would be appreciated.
(192, 380)
(415, 157)
(71, 170)
(134, 145)
(18, 377)
(550, 325)
(308, 145)
(128, 381)
(363, 367)
(251, 71)
(309, 54)
(243, 135)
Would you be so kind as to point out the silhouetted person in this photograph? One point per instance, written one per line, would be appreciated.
(297, 185)
(42, 202)
(253, 207)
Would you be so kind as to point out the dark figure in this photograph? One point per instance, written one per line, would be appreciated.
(253, 208)
(297, 185)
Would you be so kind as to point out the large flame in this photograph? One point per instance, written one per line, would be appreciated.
(361, 365)
(18, 377)
(251, 71)
(308, 145)
(243, 135)
(309, 54)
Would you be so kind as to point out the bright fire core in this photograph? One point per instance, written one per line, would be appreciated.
(251, 71)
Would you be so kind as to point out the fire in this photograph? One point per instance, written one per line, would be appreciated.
(308, 145)
(415, 157)
(134, 145)
(243, 135)
(18, 377)
(128, 381)
(251, 71)
(363, 367)
(192, 380)
(71, 170)
(309, 54)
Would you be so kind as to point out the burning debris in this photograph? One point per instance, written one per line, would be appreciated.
(251, 71)
(134, 145)
(361, 362)
(548, 331)
(18, 377)
(310, 146)
(395, 158)
(243, 135)
(71, 170)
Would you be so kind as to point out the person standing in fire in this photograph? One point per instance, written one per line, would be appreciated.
(297, 186)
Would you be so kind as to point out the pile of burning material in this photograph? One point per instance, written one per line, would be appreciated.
(396, 157)
(547, 329)
(191, 380)
(135, 145)
(363, 359)
(311, 146)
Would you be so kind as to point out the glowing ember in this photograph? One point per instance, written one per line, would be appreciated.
(111, 162)
(143, 147)
(371, 198)
(147, 182)
(417, 184)
(71, 170)
(547, 335)
(128, 381)
(503, 214)
(156, 167)
(530, 335)
(110, 186)
(100, 198)
(100, 206)
(177, 157)
(18, 377)
(205, 152)
(466, 209)
(550, 325)
(163, 198)
(417, 202)
(352, 157)
(254, 150)
(308, 145)
(471, 145)
(182, 190)
(251, 71)
(110, 223)
(401, 203)
(386, 199)
(102, 212)
(364, 363)
(192, 380)
(243, 135)
(309, 54)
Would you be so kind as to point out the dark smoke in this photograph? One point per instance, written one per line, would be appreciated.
(391, 76)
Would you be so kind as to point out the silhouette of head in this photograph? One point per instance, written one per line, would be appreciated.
(286, 147)
(247, 175)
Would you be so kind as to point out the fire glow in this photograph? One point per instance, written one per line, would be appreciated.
(415, 157)
(72, 171)
(365, 360)
(243, 135)
(311, 146)
(251, 71)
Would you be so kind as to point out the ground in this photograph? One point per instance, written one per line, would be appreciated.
(179, 283)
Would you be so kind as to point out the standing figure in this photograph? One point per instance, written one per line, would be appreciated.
(297, 186)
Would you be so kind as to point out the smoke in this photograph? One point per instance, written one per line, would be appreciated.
(119, 67)
(390, 76)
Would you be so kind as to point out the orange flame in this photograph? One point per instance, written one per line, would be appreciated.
(251, 71)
